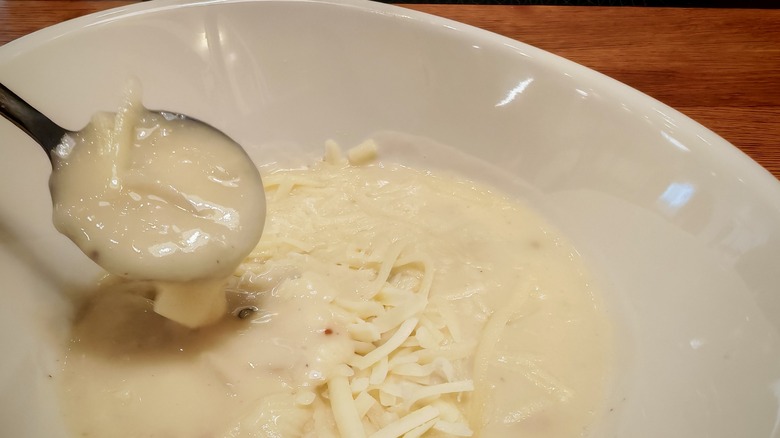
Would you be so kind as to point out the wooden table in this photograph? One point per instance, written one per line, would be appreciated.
(719, 66)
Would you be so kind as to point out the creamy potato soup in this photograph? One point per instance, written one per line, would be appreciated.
(381, 301)
(159, 197)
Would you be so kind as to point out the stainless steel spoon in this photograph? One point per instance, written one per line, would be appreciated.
(45, 132)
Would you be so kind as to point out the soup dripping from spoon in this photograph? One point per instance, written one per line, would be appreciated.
(152, 196)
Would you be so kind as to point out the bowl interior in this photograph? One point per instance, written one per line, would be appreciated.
(682, 230)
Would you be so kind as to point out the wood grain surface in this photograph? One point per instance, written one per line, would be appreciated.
(719, 66)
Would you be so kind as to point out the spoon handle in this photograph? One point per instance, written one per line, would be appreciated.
(47, 133)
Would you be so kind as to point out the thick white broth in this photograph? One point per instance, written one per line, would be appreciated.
(506, 337)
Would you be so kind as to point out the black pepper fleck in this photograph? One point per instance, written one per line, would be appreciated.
(246, 312)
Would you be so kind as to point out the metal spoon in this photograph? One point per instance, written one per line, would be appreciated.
(45, 132)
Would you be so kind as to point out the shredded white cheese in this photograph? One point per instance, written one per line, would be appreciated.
(403, 343)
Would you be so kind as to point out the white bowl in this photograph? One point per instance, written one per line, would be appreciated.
(683, 229)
